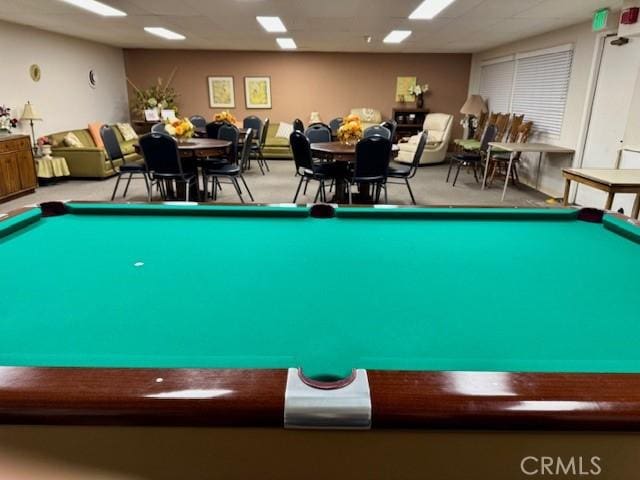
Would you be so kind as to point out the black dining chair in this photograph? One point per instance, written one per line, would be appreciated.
(377, 130)
(473, 159)
(164, 163)
(115, 155)
(232, 171)
(404, 173)
(259, 142)
(232, 134)
(213, 128)
(392, 126)
(298, 126)
(199, 126)
(158, 128)
(198, 122)
(254, 123)
(318, 133)
(371, 165)
(306, 167)
(335, 124)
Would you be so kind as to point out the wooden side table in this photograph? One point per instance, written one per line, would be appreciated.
(51, 168)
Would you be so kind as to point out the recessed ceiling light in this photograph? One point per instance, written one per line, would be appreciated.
(429, 9)
(397, 36)
(287, 43)
(97, 7)
(164, 33)
(272, 24)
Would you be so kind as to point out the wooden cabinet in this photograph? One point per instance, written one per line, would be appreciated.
(409, 120)
(17, 169)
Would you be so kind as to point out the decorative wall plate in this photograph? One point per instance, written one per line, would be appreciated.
(35, 72)
(93, 78)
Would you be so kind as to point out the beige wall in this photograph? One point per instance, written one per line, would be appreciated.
(585, 43)
(63, 96)
(330, 83)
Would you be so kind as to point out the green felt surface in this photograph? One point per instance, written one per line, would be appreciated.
(418, 289)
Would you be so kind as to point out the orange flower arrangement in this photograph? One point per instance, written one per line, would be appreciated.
(351, 130)
(180, 128)
(225, 117)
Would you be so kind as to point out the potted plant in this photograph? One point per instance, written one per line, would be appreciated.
(418, 91)
(161, 96)
(225, 117)
(180, 128)
(7, 122)
(350, 132)
(44, 144)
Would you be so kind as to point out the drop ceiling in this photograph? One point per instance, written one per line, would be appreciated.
(316, 25)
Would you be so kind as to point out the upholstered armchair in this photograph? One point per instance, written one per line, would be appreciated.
(368, 116)
(438, 127)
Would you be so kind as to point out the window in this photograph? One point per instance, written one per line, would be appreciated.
(535, 84)
(496, 84)
(540, 90)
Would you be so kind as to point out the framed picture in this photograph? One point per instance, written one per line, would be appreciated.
(152, 115)
(221, 92)
(257, 92)
(403, 84)
(168, 114)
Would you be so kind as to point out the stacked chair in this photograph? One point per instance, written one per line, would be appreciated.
(499, 160)
(503, 127)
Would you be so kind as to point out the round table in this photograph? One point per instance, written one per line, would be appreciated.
(49, 168)
(342, 152)
(192, 150)
(339, 151)
(202, 132)
(202, 147)
(195, 149)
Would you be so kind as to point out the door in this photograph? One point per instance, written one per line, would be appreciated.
(9, 175)
(619, 70)
(27, 170)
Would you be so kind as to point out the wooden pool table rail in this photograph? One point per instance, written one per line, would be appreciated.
(240, 397)
(236, 397)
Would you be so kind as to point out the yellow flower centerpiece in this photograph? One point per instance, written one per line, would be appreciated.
(225, 117)
(351, 130)
(180, 128)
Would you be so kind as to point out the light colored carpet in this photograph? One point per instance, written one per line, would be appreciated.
(279, 186)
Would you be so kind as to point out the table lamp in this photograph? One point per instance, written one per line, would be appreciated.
(473, 108)
(315, 118)
(30, 114)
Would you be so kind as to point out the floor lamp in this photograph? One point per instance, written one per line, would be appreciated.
(473, 108)
(29, 114)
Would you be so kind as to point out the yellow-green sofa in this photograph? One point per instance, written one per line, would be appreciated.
(276, 147)
(90, 161)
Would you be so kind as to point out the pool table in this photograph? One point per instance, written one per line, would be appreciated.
(320, 317)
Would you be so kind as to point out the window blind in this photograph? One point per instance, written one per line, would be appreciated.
(540, 90)
(496, 85)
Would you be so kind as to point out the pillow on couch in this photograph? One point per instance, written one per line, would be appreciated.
(127, 148)
(127, 131)
(94, 130)
(72, 140)
(284, 130)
